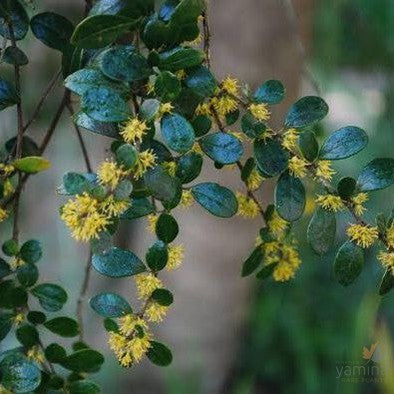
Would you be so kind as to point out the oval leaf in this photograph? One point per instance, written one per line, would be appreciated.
(63, 326)
(321, 231)
(222, 147)
(271, 159)
(177, 132)
(308, 110)
(51, 297)
(110, 305)
(348, 263)
(270, 92)
(32, 164)
(377, 174)
(159, 354)
(85, 360)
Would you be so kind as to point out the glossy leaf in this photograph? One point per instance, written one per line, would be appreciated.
(306, 111)
(252, 262)
(84, 387)
(348, 263)
(189, 167)
(20, 20)
(222, 147)
(270, 92)
(139, 207)
(63, 326)
(201, 81)
(15, 56)
(8, 95)
(180, 58)
(163, 297)
(32, 164)
(377, 174)
(157, 256)
(321, 231)
(51, 297)
(309, 146)
(271, 159)
(159, 354)
(102, 128)
(387, 283)
(167, 86)
(110, 305)
(166, 228)
(31, 251)
(85, 360)
(177, 132)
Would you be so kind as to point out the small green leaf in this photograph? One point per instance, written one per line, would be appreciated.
(216, 199)
(252, 262)
(11, 295)
(27, 274)
(346, 187)
(84, 387)
(85, 360)
(266, 271)
(167, 86)
(18, 374)
(270, 92)
(306, 111)
(180, 58)
(189, 167)
(162, 186)
(74, 183)
(157, 256)
(159, 354)
(52, 29)
(163, 297)
(126, 155)
(6, 322)
(387, 283)
(8, 95)
(110, 305)
(290, 197)
(100, 30)
(14, 11)
(15, 56)
(201, 125)
(344, 143)
(102, 128)
(149, 109)
(201, 81)
(308, 145)
(139, 207)
(377, 174)
(10, 247)
(348, 263)
(166, 228)
(63, 326)
(117, 263)
(27, 335)
(36, 317)
(177, 132)
(5, 269)
(32, 164)
(51, 297)
(271, 159)
(55, 353)
(110, 325)
(321, 231)
(31, 251)
(222, 147)
(251, 126)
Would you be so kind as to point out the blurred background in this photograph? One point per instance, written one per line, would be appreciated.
(228, 334)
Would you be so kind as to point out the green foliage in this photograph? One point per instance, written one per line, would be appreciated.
(110, 305)
(270, 92)
(321, 231)
(222, 148)
(348, 263)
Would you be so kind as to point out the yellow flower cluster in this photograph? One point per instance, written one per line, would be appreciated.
(230, 86)
(298, 167)
(277, 226)
(145, 161)
(170, 167)
(175, 257)
(324, 170)
(84, 217)
(15, 263)
(147, 283)
(19, 318)
(224, 105)
(6, 169)
(3, 214)
(152, 220)
(187, 199)
(254, 180)
(203, 109)
(260, 112)
(134, 131)
(387, 260)
(247, 207)
(8, 188)
(35, 354)
(113, 207)
(290, 138)
(358, 201)
(3, 390)
(181, 74)
(285, 255)
(362, 235)
(109, 174)
(330, 202)
(390, 236)
(165, 108)
(155, 312)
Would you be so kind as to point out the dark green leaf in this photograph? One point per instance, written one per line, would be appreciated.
(86, 360)
(216, 199)
(189, 167)
(377, 174)
(251, 126)
(55, 353)
(10, 247)
(51, 297)
(180, 58)
(84, 387)
(63, 326)
(5, 269)
(252, 262)
(117, 263)
(123, 63)
(6, 322)
(31, 251)
(36, 317)
(100, 30)
(27, 335)
(8, 95)
(162, 186)
(201, 81)
(321, 231)
(306, 111)
(387, 283)
(167, 86)
(177, 132)
(52, 29)
(270, 92)
(103, 128)
(163, 297)
(346, 187)
(222, 147)
(157, 256)
(27, 274)
(348, 263)
(166, 228)
(110, 305)
(15, 56)
(29, 147)
(12, 296)
(126, 155)
(20, 21)
(139, 207)
(344, 143)
(159, 354)
(110, 325)
(266, 271)
(290, 197)
(201, 125)
(74, 183)
(308, 145)
(271, 159)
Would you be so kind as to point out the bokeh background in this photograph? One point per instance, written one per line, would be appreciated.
(228, 334)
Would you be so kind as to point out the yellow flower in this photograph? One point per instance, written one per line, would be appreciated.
(35, 354)
(3, 390)
(298, 167)
(175, 257)
(231, 86)
(247, 207)
(152, 220)
(155, 312)
(290, 138)
(170, 167)
(113, 207)
(330, 202)
(324, 170)
(363, 236)
(146, 160)
(8, 188)
(165, 108)
(254, 180)
(147, 284)
(196, 41)
(134, 131)
(15, 263)
(150, 87)
(109, 174)
(224, 105)
(390, 236)
(358, 202)
(19, 318)
(181, 74)
(237, 134)
(277, 225)
(3, 214)
(187, 199)
(203, 109)
(196, 148)
(129, 322)
(83, 218)
(387, 260)
(260, 111)
(6, 169)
